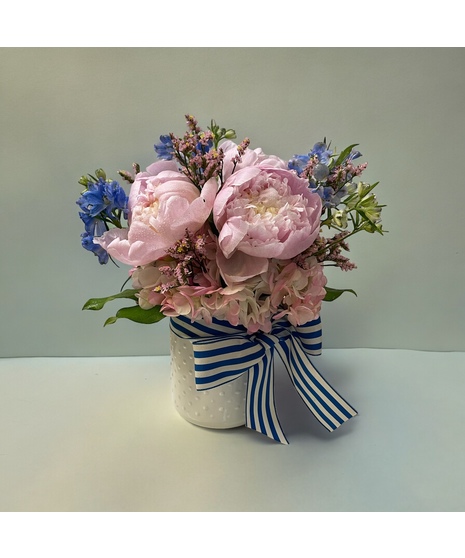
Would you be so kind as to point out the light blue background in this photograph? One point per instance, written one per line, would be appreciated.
(65, 112)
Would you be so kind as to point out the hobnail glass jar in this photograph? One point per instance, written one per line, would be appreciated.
(220, 407)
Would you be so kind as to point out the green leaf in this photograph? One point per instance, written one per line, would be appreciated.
(99, 303)
(137, 314)
(344, 154)
(371, 186)
(332, 294)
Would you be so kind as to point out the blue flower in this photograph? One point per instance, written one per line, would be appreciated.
(165, 148)
(103, 198)
(117, 197)
(298, 163)
(102, 201)
(92, 200)
(321, 151)
(87, 241)
(354, 154)
(320, 172)
(93, 225)
(204, 147)
(329, 197)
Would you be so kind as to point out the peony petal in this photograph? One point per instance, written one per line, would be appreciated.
(162, 207)
(202, 206)
(231, 235)
(240, 267)
(115, 242)
(139, 245)
(250, 158)
(266, 211)
(159, 166)
(223, 197)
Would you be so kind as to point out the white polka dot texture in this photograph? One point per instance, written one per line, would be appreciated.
(221, 407)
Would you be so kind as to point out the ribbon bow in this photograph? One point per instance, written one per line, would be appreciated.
(223, 352)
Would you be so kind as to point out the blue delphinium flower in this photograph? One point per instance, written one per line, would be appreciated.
(164, 149)
(87, 241)
(298, 163)
(320, 151)
(354, 154)
(329, 197)
(101, 203)
(103, 197)
(204, 146)
(320, 172)
(93, 225)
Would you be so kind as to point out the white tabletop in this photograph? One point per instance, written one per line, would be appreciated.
(101, 434)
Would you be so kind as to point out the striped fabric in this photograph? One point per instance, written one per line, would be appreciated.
(223, 352)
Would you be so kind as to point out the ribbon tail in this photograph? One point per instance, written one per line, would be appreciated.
(319, 396)
(260, 405)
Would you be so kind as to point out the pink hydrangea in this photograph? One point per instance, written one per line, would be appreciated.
(297, 292)
(284, 290)
(263, 213)
(163, 203)
(247, 304)
(148, 278)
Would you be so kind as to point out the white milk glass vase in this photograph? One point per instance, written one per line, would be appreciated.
(220, 407)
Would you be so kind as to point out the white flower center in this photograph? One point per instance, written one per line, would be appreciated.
(146, 209)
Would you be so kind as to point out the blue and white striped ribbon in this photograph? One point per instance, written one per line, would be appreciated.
(223, 352)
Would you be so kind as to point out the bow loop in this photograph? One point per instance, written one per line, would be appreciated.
(222, 359)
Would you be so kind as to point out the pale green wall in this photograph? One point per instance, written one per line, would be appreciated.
(64, 112)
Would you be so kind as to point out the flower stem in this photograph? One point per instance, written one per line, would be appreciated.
(329, 246)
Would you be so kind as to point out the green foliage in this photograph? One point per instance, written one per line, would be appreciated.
(137, 314)
(220, 134)
(333, 294)
(133, 313)
(344, 154)
(99, 303)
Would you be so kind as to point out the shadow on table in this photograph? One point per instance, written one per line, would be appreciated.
(296, 419)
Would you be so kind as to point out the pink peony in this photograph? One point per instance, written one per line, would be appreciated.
(263, 213)
(250, 158)
(163, 203)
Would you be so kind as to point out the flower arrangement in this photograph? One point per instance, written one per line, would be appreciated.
(218, 230)
(231, 244)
